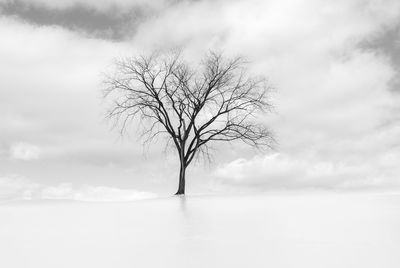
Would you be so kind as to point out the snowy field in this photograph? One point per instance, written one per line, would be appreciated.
(275, 230)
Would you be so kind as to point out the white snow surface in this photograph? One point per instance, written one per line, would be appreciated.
(272, 230)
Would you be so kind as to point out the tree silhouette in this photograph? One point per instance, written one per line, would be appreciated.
(192, 105)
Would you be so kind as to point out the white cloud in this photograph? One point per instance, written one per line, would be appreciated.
(280, 171)
(332, 95)
(24, 151)
(19, 188)
(93, 193)
(16, 187)
(51, 89)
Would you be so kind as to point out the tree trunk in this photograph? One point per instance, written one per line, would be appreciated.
(181, 187)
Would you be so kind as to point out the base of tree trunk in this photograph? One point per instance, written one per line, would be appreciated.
(181, 186)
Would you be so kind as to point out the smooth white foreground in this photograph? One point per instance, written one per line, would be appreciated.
(334, 230)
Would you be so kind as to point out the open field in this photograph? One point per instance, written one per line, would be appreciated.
(277, 230)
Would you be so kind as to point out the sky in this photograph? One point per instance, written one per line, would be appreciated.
(333, 65)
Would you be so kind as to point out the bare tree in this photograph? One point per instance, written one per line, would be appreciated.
(215, 101)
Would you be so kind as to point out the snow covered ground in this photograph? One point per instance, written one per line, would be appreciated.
(275, 230)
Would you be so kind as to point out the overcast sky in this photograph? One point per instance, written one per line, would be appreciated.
(334, 66)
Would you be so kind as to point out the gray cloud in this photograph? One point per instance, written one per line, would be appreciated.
(387, 42)
(112, 23)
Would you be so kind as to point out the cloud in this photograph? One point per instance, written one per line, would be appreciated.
(335, 113)
(114, 23)
(50, 93)
(24, 151)
(19, 188)
(281, 171)
(268, 28)
(98, 5)
(94, 193)
(332, 132)
(16, 187)
(332, 94)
